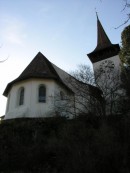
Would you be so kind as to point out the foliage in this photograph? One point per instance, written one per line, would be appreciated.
(125, 49)
(125, 57)
(57, 145)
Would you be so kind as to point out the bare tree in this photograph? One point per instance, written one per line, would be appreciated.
(84, 74)
(85, 98)
(126, 6)
(2, 58)
(107, 79)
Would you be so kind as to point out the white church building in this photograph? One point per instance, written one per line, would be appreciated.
(44, 90)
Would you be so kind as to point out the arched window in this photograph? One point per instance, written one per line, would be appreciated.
(42, 94)
(21, 96)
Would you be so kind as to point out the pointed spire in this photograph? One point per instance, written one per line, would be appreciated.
(104, 49)
(102, 38)
(96, 14)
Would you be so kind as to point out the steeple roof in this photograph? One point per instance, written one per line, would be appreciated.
(39, 67)
(104, 48)
(102, 38)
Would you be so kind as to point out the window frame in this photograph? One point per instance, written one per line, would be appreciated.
(8, 103)
(21, 96)
(42, 93)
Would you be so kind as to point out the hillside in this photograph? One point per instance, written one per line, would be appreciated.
(87, 144)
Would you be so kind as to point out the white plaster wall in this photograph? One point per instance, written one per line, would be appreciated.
(115, 59)
(31, 106)
(108, 77)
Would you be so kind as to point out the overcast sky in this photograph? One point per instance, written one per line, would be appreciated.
(63, 30)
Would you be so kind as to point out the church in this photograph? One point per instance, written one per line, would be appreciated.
(45, 90)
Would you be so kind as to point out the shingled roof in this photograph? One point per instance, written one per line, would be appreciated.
(104, 48)
(40, 67)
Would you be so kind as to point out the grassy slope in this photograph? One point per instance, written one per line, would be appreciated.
(87, 144)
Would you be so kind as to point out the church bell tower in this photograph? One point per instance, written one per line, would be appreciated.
(107, 68)
(105, 51)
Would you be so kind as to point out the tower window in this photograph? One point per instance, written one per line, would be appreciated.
(42, 94)
(21, 96)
